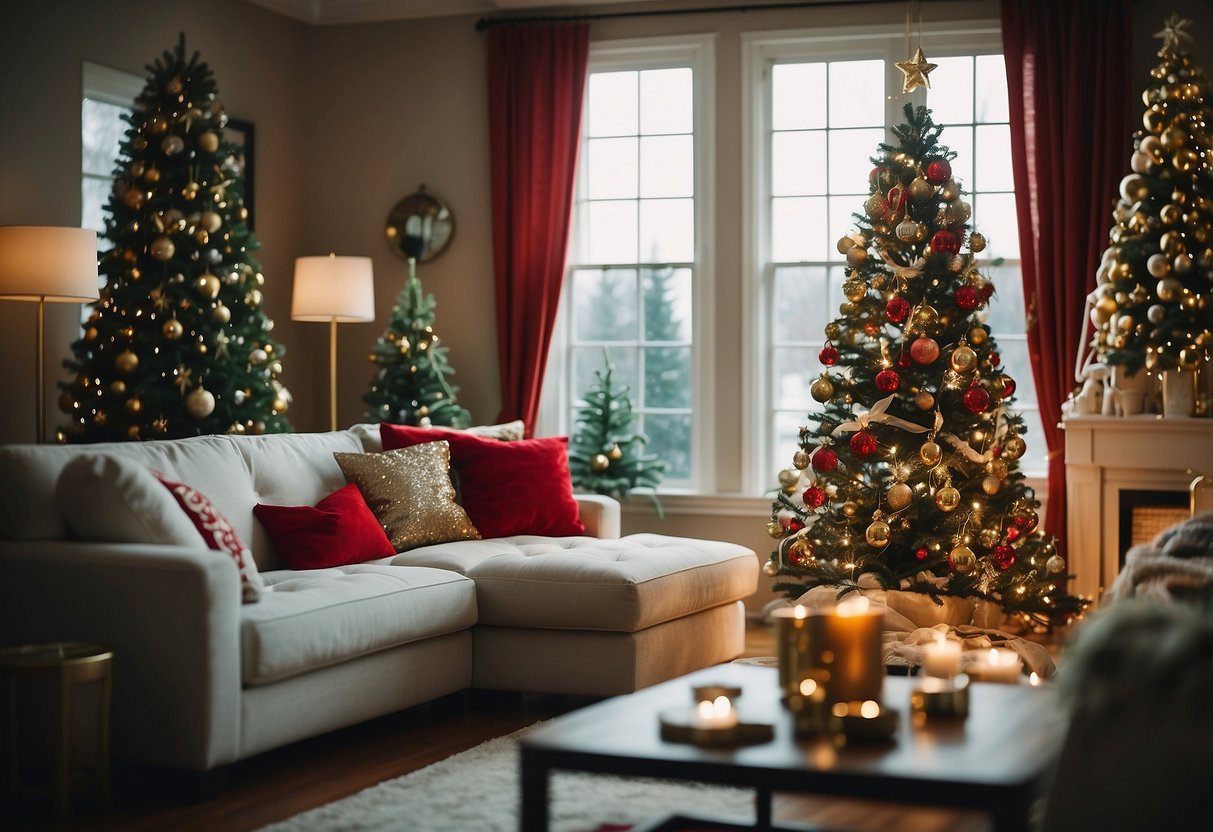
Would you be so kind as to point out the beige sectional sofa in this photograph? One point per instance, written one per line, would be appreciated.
(202, 680)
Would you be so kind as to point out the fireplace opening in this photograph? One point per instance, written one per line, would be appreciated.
(1143, 514)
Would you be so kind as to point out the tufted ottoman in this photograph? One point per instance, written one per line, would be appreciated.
(580, 615)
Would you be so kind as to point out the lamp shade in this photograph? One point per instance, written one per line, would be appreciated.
(40, 262)
(333, 288)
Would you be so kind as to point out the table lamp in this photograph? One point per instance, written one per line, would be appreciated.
(337, 290)
(45, 263)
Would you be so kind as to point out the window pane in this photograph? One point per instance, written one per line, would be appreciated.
(588, 360)
(102, 130)
(670, 439)
(793, 370)
(612, 104)
(842, 221)
(667, 230)
(612, 168)
(786, 439)
(612, 232)
(994, 216)
(667, 377)
(991, 92)
(93, 194)
(1006, 310)
(667, 305)
(951, 94)
(798, 99)
(850, 158)
(801, 304)
(667, 166)
(857, 94)
(1013, 350)
(993, 158)
(798, 229)
(1036, 459)
(960, 139)
(604, 305)
(666, 101)
(798, 163)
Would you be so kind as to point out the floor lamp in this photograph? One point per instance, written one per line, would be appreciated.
(337, 290)
(47, 264)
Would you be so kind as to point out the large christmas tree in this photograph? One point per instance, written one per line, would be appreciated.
(1154, 286)
(178, 344)
(411, 387)
(910, 472)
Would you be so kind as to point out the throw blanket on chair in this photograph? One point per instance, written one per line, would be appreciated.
(1176, 566)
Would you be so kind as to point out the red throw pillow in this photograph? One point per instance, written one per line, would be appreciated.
(339, 529)
(507, 488)
(219, 535)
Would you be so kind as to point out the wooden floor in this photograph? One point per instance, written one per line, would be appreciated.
(282, 783)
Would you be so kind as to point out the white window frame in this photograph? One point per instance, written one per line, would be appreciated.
(760, 50)
(112, 86)
(697, 52)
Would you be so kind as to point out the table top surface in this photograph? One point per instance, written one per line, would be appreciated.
(53, 654)
(1008, 741)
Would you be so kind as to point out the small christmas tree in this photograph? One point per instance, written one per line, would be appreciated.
(411, 386)
(910, 473)
(1151, 302)
(606, 454)
(178, 344)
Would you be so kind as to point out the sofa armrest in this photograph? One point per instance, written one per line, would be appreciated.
(172, 616)
(600, 514)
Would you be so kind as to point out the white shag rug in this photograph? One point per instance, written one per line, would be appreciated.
(478, 791)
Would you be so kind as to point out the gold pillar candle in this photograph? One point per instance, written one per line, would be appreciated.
(853, 651)
(800, 638)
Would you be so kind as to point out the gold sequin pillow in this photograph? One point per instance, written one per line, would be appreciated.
(409, 491)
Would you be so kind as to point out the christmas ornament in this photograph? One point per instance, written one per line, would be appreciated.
(863, 443)
(828, 355)
(877, 534)
(858, 255)
(930, 453)
(961, 559)
(977, 242)
(923, 317)
(814, 497)
(208, 142)
(897, 309)
(1055, 564)
(924, 350)
(963, 359)
(599, 463)
(916, 72)
(944, 242)
(1006, 386)
(822, 390)
(172, 329)
(887, 381)
(200, 403)
(947, 498)
(770, 569)
(966, 298)
(787, 479)
(921, 553)
(990, 484)
(976, 399)
(1013, 533)
(844, 244)
(924, 400)
(221, 314)
(126, 362)
(172, 145)
(800, 459)
(210, 221)
(800, 552)
(774, 529)
(162, 248)
(920, 190)
(978, 335)
(257, 356)
(207, 285)
(909, 231)
(989, 538)
(133, 405)
(939, 171)
(825, 460)
(900, 495)
(876, 206)
(1004, 557)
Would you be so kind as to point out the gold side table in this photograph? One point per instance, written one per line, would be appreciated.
(69, 663)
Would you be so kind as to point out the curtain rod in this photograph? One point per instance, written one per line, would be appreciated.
(487, 22)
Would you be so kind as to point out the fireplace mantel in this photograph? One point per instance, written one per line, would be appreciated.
(1107, 455)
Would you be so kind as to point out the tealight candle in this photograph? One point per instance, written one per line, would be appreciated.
(941, 658)
(717, 714)
(997, 666)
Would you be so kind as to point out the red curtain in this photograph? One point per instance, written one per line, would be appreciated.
(1069, 84)
(536, 84)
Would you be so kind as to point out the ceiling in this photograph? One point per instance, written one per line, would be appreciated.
(322, 12)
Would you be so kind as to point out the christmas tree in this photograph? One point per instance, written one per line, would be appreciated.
(1151, 304)
(178, 344)
(910, 471)
(411, 386)
(606, 454)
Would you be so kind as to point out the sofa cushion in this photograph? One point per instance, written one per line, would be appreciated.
(368, 433)
(625, 585)
(410, 492)
(322, 617)
(338, 530)
(508, 488)
(110, 498)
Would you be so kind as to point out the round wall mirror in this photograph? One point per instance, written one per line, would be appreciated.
(420, 226)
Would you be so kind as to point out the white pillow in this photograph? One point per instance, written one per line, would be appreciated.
(108, 498)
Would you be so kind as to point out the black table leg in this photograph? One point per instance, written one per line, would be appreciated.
(534, 817)
(762, 808)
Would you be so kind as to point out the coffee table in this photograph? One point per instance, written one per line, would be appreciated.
(998, 760)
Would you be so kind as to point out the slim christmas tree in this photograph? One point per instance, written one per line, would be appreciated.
(1151, 304)
(910, 472)
(178, 344)
(411, 386)
(606, 454)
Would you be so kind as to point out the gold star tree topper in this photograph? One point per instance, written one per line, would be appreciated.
(1172, 33)
(916, 72)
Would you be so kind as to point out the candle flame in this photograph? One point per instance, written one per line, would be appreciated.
(1034, 679)
(721, 706)
(800, 611)
(870, 709)
(809, 686)
(704, 710)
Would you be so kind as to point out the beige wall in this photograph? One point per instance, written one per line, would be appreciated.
(351, 118)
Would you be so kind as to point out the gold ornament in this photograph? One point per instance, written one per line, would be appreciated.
(211, 221)
(850, 508)
(923, 317)
(133, 405)
(162, 248)
(800, 551)
(118, 387)
(920, 189)
(788, 479)
(833, 330)
(857, 255)
(989, 538)
(822, 390)
(977, 242)
(774, 529)
(599, 463)
(221, 314)
(157, 125)
(1055, 564)
(133, 199)
(615, 453)
(800, 459)
(279, 406)
(200, 403)
(172, 329)
(998, 468)
(962, 559)
(126, 362)
(208, 142)
(151, 176)
(916, 72)
(1168, 289)
(770, 569)
(930, 453)
(990, 484)
(91, 334)
(253, 299)
(978, 335)
(899, 496)
(963, 359)
(208, 286)
(878, 532)
(855, 290)
(947, 498)
(925, 400)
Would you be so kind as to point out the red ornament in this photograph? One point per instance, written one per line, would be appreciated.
(1008, 387)
(798, 557)
(976, 399)
(828, 355)
(875, 175)
(863, 444)
(967, 297)
(944, 241)
(995, 359)
(871, 327)
(924, 350)
(1004, 557)
(921, 553)
(887, 381)
(824, 460)
(938, 171)
(791, 524)
(897, 200)
(903, 361)
(897, 309)
(987, 290)
(1013, 534)
(814, 497)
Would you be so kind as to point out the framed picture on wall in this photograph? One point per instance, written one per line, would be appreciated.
(240, 133)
